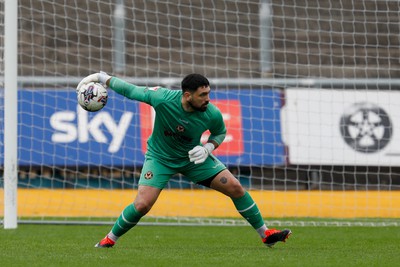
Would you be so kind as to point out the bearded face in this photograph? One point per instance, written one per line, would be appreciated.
(200, 99)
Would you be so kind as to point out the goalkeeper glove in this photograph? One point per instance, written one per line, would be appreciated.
(100, 77)
(200, 153)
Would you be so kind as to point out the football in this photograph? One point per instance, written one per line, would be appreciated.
(92, 96)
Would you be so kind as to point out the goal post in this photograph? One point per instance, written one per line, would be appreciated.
(308, 92)
(10, 113)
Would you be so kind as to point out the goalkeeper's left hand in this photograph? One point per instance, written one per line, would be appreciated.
(100, 77)
(200, 153)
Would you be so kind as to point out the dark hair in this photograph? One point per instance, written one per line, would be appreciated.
(193, 81)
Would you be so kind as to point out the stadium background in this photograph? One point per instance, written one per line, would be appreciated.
(250, 50)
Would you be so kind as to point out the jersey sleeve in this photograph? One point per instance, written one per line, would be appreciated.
(217, 129)
(149, 95)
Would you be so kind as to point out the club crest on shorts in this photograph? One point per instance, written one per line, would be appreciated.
(180, 128)
(148, 175)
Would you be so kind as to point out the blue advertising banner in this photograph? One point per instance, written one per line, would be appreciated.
(55, 131)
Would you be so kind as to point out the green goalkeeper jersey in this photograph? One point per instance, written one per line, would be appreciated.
(175, 131)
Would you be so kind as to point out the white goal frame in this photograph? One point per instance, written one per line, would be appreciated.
(305, 53)
(10, 114)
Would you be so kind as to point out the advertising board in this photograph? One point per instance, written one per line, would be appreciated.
(54, 130)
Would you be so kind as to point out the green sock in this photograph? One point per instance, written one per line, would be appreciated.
(128, 219)
(249, 210)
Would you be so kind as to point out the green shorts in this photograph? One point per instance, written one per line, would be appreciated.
(157, 173)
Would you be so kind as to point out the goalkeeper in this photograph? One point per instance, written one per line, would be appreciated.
(174, 147)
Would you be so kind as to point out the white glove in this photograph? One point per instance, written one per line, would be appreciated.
(100, 77)
(200, 153)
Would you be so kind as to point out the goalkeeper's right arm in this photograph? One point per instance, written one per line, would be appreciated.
(122, 87)
(128, 90)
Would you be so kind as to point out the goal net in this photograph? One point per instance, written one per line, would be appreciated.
(308, 91)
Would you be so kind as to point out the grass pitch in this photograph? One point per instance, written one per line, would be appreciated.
(73, 245)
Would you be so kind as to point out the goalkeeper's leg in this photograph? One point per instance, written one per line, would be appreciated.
(131, 215)
(227, 184)
(249, 210)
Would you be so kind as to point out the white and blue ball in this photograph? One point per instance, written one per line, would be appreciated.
(92, 96)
